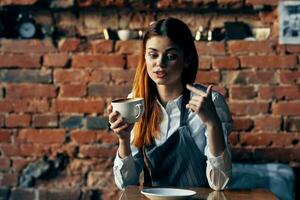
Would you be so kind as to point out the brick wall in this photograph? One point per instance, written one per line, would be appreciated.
(54, 138)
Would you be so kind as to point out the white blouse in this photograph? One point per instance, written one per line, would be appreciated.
(218, 170)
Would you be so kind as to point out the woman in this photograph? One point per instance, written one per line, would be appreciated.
(181, 140)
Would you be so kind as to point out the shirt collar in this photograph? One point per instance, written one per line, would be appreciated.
(177, 101)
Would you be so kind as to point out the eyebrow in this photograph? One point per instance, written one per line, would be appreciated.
(169, 49)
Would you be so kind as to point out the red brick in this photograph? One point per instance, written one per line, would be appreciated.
(281, 49)
(268, 123)
(267, 17)
(228, 62)
(221, 89)
(6, 106)
(30, 105)
(279, 92)
(246, 47)
(70, 76)
(43, 136)
(163, 4)
(9, 179)
(30, 90)
(71, 150)
(26, 75)
(293, 124)
(56, 60)
(102, 46)
(19, 163)
(274, 61)
(97, 151)
(229, 2)
(83, 137)
(242, 92)
(14, 120)
(286, 108)
(242, 124)
(4, 164)
(98, 60)
(99, 75)
(33, 150)
(24, 46)
(210, 48)
(20, 60)
(293, 48)
(103, 90)
(289, 76)
(63, 183)
(122, 76)
(233, 138)
(262, 2)
(129, 47)
(248, 108)
(68, 44)
(9, 150)
(60, 194)
(79, 106)
(45, 120)
(17, 2)
(208, 77)
(107, 137)
(2, 119)
(251, 77)
(132, 61)
(266, 139)
(5, 136)
(204, 62)
(73, 90)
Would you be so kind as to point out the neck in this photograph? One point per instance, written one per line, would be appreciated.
(167, 93)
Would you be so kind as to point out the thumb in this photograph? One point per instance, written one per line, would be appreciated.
(209, 90)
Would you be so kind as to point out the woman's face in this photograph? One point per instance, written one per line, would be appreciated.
(164, 61)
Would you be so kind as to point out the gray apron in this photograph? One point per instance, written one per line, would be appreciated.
(178, 162)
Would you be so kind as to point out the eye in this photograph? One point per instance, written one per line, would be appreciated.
(171, 56)
(152, 54)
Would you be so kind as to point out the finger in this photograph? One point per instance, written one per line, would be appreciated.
(209, 90)
(198, 98)
(195, 90)
(117, 123)
(113, 116)
(195, 103)
(121, 128)
(192, 107)
(109, 108)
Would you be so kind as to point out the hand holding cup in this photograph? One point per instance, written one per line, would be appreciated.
(123, 113)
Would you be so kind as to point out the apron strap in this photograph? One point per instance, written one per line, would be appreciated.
(183, 113)
(147, 173)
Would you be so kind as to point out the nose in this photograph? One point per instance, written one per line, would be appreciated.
(162, 62)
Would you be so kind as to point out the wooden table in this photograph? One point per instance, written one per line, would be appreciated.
(133, 193)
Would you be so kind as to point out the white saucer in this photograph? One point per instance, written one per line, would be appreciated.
(167, 193)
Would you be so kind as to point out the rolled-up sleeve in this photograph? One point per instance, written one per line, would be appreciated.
(218, 170)
(127, 170)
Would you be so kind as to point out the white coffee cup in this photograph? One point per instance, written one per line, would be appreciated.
(131, 109)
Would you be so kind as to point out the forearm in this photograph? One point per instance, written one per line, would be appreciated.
(124, 148)
(216, 142)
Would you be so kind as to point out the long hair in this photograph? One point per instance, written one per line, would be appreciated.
(178, 32)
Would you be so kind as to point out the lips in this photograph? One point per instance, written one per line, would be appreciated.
(160, 74)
